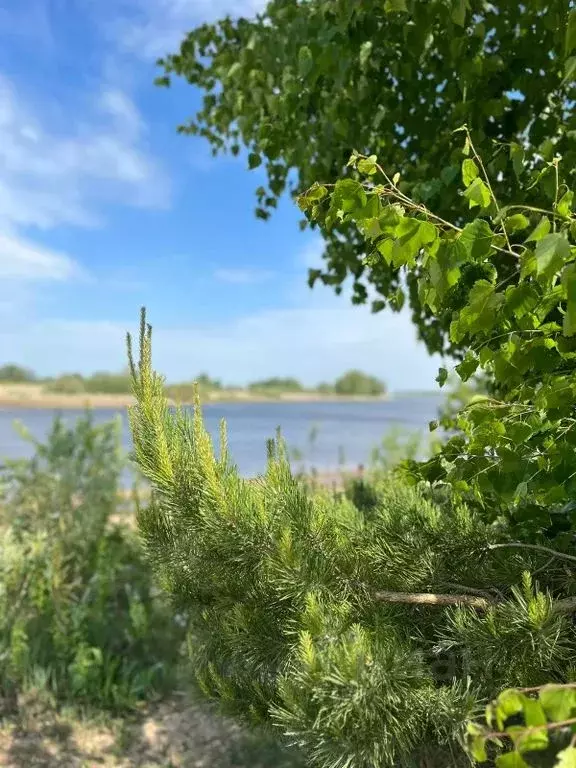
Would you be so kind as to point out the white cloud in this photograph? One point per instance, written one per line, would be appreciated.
(23, 260)
(153, 28)
(56, 175)
(241, 276)
(63, 175)
(314, 342)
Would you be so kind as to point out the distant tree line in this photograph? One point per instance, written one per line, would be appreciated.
(352, 383)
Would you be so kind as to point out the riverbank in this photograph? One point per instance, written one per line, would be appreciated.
(35, 396)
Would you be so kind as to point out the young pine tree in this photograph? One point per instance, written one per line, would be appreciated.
(307, 611)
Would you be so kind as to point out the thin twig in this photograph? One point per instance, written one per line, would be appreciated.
(532, 728)
(489, 185)
(535, 547)
(546, 565)
(537, 688)
(396, 193)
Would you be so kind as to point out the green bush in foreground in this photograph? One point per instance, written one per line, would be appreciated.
(80, 618)
(366, 634)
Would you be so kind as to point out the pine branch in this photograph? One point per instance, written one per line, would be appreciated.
(430, 598)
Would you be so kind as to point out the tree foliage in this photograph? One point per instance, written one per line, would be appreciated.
(16, 374)
(368, 632)
(355, 382)
(536, 722)
(305, 82)
(514, 452)
(81, 620)
(277, 383)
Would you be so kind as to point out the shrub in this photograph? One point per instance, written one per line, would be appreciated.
(80, 617)
(67, 384)
(368, 635)
(16, 374)
(108, 383)
(358, 383)
(276, 384)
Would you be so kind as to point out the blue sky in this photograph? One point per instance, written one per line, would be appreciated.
(104, 207)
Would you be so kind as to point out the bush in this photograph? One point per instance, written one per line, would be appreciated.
(359, 384)
(275, 384)
(103, 383)
(367, 633)
(80, 617)
(16, 374)
(68, 384)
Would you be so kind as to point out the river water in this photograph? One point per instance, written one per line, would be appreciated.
(324, 433)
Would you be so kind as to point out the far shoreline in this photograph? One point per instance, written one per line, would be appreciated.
(32, 397)
(120, 402)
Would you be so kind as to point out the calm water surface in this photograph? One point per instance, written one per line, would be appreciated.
(349, 428)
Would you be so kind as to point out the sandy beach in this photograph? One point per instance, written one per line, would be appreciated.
(34, 396)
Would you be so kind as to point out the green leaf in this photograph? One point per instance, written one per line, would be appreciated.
(477, 746)
(478, 194)
(569, 70)
(511, 760)
(408, 241)
(365, 51)
(305, 61)
(468, 366)
(551, 253)
(533, 738)
(433, 425)
(517, 223)
(519, 431)
(558, 702)
(521, 492)
(540, 230)
(569, 285)
(521, 299)
(476, 237)
(532, 741)
(234, 69)
(469, 171)
(368, 165)
(316, 193)
(527, 264)
(481, 312)
(517, 157)
(442, 376)
(395, 5)
(570, 33)
(564, 207)
(509, 702)
(254, 160)
(348, 196)
(566, 758)
(459, 8)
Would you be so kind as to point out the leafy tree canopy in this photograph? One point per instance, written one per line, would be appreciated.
(304, 83)
(15, 374)
(287, 384)
(515, 452)
(358, 383)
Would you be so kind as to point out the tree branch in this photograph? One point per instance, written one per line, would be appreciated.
(565, 605)
(428, 598)
(536, 547)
